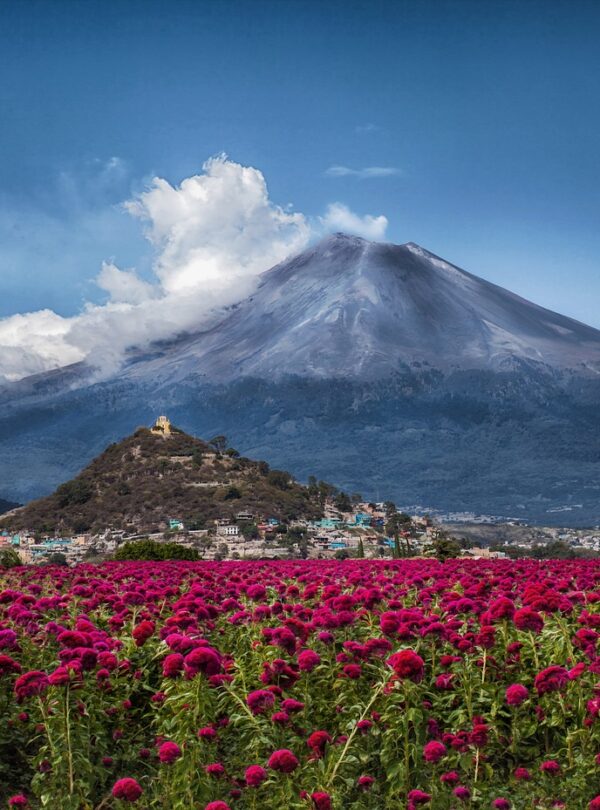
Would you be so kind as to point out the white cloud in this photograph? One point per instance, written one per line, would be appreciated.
(124, 286)
(367, 173)
(215, 225)
(367, 129)
(35, 342)
(212, 235)
(339, 217)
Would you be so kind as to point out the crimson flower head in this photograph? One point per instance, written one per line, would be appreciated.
(308, 660)
(418, 797)
(168, 752)
(528, 619)
(433, 751)
(202, 659)
(127, 789)
(550, 766)
(461, 792)
(207, 733)
(18, 801)
(142, 632)
(551, 679)
(407, 665)
(255, 775)
(501, 804)
(321, 800)
(217, 806)
(479, 735)
(516, 693)
(365, 781)
(594, 804)
(30, 684)
(283, 761)
(260, 700)
(216, 769)
(317, 742)
(172, 665)
(8, 665)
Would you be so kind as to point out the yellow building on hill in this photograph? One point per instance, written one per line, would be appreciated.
(162, 426)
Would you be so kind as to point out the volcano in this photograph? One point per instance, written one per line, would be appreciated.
(380, 367)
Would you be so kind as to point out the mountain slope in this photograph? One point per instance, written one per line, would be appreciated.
(361, 310)
(381, 368)
(144, 480)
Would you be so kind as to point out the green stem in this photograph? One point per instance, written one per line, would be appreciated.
(352, 734)
(68, 741)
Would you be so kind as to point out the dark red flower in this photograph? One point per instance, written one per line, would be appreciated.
(407, 665)
(283, 760)
(127, 789)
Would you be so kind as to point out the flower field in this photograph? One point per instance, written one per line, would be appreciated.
(319, 685)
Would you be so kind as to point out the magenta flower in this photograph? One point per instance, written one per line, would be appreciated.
(30, 684)
(551, 679)
(321, 800)
(516, 693)
(308, 660)
(433, 751)
(283, 761)
(168, 752)
(407, 665)
(255, 775)
(127, 789)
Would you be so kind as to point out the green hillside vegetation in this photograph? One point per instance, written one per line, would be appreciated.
(138, 484)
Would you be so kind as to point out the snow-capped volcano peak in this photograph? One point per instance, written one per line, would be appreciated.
(348, 307)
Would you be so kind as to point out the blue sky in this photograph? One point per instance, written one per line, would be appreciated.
(488, 113)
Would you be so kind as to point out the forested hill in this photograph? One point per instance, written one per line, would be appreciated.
(141, 482)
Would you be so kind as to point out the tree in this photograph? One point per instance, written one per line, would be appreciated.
(249, 529)
(153, 550)
(343, 502)
(445, 548)
(58, 558)
(361, 549)
(9, 558)
(74, 492)
(389, 508)
(279, 479)
(232, 493)
(197, 458)
(219, 443)
(341, 554)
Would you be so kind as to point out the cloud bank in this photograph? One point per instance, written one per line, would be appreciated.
(212, 235)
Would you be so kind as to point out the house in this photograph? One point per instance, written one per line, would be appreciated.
(176, 525)
(230, 530)
(245, 516)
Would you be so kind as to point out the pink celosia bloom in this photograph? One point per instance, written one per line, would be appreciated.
(168, 752)
(516, 693)
(433, 751)
(321, 800)
(283, 760)
(407, 665)
(255, 775)
(127, 790)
